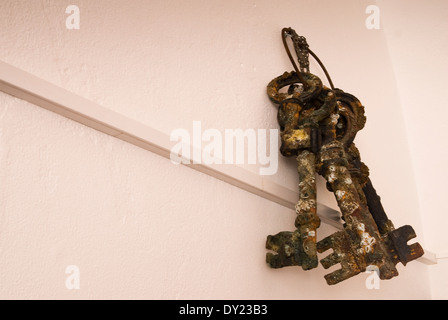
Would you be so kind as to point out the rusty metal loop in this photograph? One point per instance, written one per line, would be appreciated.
(288, 78)
(286, 32)
(323, 68)
(289, 32)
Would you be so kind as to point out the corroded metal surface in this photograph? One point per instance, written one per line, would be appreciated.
(318, 126)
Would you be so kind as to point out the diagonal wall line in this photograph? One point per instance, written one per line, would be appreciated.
(28, 87)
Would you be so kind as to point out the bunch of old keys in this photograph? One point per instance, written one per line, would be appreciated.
(318, 125)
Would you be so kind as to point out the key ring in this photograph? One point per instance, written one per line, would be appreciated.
(301, 57)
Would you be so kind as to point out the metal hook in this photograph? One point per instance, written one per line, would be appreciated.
(287, 32)
(290, 32)
(323, 68)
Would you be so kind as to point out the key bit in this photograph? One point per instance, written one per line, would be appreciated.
(291, 251)
(350, 250)
(343, 253)
(399, 250)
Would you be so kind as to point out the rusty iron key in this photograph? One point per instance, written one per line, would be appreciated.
(318, 126)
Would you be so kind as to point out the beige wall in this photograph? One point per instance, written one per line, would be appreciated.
(138, 226)
(418, 48)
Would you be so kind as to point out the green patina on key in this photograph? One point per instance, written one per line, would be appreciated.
(318, 125)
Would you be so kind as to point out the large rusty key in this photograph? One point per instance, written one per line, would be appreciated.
(299, 122)
(360, 244)
(318, 126)
(396, 239)
(369, 237)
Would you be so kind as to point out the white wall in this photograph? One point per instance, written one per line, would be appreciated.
(418, 47)
(138, 226)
